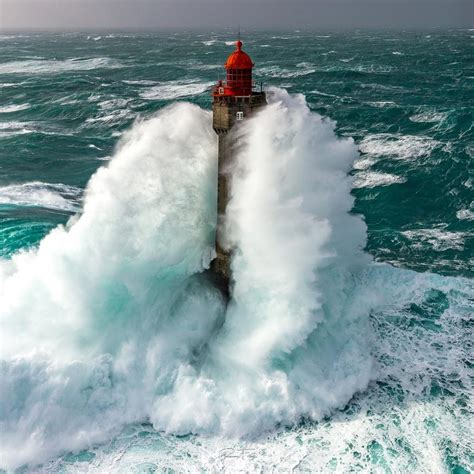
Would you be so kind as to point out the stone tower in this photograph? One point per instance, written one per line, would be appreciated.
(233, 101)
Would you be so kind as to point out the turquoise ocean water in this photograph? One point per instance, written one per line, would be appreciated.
(82, 396)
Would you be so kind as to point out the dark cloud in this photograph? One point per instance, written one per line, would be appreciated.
(217, 14)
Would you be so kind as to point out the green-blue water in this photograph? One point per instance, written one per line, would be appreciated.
(407, 100)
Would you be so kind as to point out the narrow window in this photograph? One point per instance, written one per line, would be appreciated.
(240, 116)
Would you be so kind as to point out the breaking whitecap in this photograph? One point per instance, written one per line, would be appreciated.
(38, 194)
(8, 109)
(372, 179)
(58, 66)
(429, 117)
(465, 214)
(175, 90)
(403, 147)
(437, 239)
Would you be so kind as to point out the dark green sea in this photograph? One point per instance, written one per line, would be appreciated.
(117, 357)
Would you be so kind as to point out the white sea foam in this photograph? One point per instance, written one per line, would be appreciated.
(141, 82)
(106, 322)
(12, 128)
(175, 90)
(382, 104)
(404, 147)
(376, 432)
(276, 71)
(7, 109)
(111, 117)
(57, 66)
(469, 183)
(372, 179)
(305, 64)
(438, 239)
(39, 194)
(364, 162)
(429, 117)
(213, 41)
(112, 111)
(113, 104)
(466, 214)
(324, 94)
(207, 67)
(349, 65)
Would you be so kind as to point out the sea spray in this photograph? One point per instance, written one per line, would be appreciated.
(110, 320)
(290, 222)
(89, 320)
(293, 342)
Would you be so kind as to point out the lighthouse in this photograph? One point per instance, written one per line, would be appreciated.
(234, 100)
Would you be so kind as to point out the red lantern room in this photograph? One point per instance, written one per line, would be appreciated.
(239, 74)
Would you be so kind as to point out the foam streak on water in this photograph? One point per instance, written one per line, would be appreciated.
(52, 196)
(40, 66)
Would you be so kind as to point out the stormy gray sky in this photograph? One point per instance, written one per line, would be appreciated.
(220, 14)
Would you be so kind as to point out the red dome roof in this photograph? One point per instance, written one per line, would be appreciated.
(238, 59)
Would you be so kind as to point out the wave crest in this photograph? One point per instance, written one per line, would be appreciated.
(111, 321)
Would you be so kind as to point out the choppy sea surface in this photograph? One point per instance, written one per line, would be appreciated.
(393, 389)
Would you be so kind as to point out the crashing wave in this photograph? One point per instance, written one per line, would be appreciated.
(111, 320)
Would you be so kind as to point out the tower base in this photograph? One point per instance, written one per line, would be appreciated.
(219, 275)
